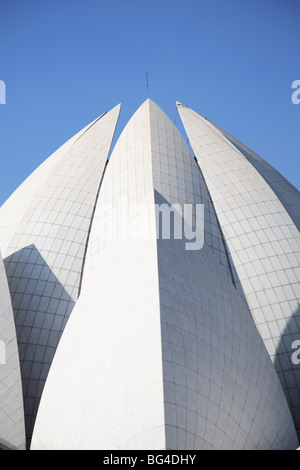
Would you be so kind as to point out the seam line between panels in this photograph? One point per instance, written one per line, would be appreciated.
(93, 123)
(94, 208)
(219, 225)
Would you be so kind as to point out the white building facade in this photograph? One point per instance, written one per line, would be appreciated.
(132, 340)
(259, 212)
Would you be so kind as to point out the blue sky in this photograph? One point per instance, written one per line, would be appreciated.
(65, 62)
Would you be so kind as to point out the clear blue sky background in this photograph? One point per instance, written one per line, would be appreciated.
(65, 62)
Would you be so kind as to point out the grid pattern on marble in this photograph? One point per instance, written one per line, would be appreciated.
(45, 255)
(121, 272)
(126, 174)
(221, 390)
(104, 389)
(263, 242)
(152, 143)
(127, 182)
(16, 205)
(288, 195)
(115, 324)
(129, 175)
(12, 426)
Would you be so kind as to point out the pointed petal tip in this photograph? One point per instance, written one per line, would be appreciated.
(180, 105)
(118, 106)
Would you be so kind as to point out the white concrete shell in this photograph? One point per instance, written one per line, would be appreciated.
(108, 366)
(288, 195)
(44, 231)
(19, 202)
(160, 351)
(259, 212)
(12, 423)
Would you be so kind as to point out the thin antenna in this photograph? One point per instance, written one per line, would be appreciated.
(147, 85)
